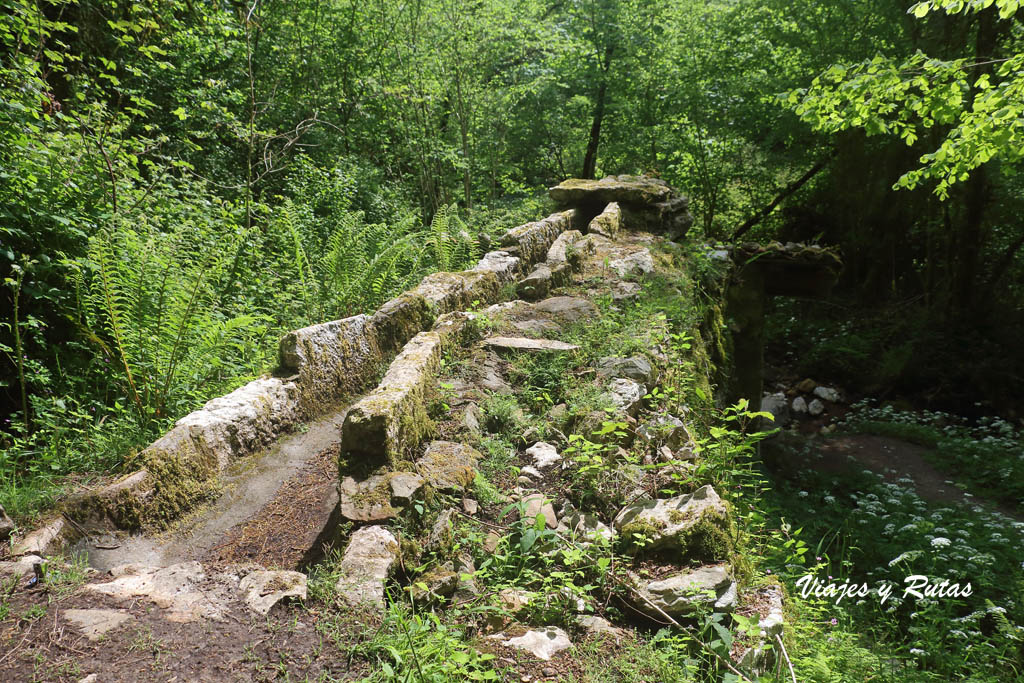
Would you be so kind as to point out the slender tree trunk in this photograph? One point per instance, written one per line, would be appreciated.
(972, 236)
(590, 159)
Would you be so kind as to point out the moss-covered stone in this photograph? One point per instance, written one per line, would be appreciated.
(393, 418)
(698, 526)
(399, 320)
(449, 466)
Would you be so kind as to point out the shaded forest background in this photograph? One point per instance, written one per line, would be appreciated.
(181, 182)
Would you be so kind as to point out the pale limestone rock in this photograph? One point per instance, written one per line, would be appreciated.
(176, 589)
(530, 345)
(827, 394)
(636, 368)
(608, 222)
(637, 263)
(503, 264)
(622, 188)
(20, 568)
(665, 429)
(365, 567)
(43, 540)
(262, 589)
(627, 395)
(584, 528)
(799, 405)
(94, 623)
(534, 239)
(816, 407)
(681, 594)
(537, 504)
(597, 626)
(543, 454)
(567, 309)
(542, 643)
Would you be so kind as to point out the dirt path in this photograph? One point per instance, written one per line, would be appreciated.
(896, 459)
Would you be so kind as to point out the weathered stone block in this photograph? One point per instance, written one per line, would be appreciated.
(393, 417)
(365, 567)
(504, 265)
(399, 320)
(332, 359)
(534, 239)
(608, 222)
(697, 525)
(683, 594)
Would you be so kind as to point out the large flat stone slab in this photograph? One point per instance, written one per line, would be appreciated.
(392, 418)
(622, 188)
(514, 344)
(95, 623)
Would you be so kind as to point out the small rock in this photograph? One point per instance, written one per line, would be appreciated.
(531, 472)
(584, 528)
(491, 541)
(94, 623)
(816, 407)
(778, 405)
(638, 263)
(548, 671)
(543, 454)
(827, 393)
(542, 643)
(635, 368)
(366, 565)
(666, 429)
(440, 583)
(800, 405)
(625, 290)
(471, 417)
(405, 486)
(559, 412)
(537, 504)
(627, 395)
(470, 506)
(665, 454)
(807, 386)
(91, 678)
(6, 525)
(596, 626)
(262, 589)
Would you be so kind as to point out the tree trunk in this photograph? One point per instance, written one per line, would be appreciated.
(971, 238)
(590, 159)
